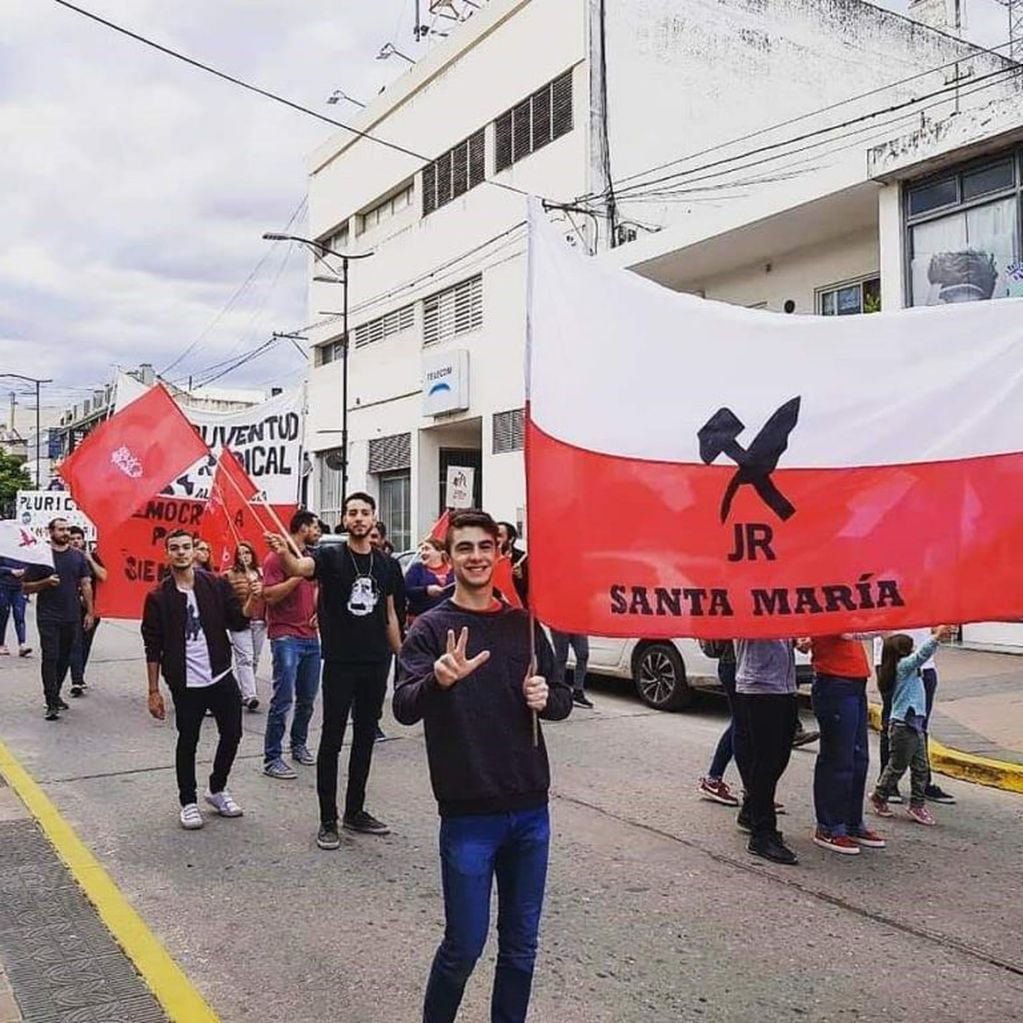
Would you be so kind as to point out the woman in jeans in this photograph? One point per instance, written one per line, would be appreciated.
(13, 601)
(246, 578)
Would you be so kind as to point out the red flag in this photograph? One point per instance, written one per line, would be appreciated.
(504, 580)
(440, 527)
(232, 515)
(131, 458)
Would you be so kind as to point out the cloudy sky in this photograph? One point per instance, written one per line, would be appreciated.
(134, 190)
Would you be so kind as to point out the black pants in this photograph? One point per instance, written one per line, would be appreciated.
(80, 653)
(360, 689)
(767, 725)
(56, 644)
(224, 700)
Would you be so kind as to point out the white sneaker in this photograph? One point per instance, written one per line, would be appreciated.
(191, 818)
(223, 803)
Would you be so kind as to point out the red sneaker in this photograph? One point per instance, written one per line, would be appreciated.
(922, 815)
(717, 792)
(868, 838)
(880, 806)
(836, 843)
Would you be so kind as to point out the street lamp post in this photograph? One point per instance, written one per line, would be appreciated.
(38, 382)
(321, 250)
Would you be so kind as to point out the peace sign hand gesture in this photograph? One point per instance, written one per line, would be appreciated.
(453, 665)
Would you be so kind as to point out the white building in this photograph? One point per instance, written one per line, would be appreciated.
(807, 156)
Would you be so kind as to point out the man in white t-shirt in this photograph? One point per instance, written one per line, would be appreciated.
(929, 672)
(185, 627)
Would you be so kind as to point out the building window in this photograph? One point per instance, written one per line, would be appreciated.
(453, 311)
(965, 235)
(509, 431)
(395, 508)
(330, 485)
(330, 352)
(454, 173)
(387, 454)
(537, 120)
(384, 326)
(850, 299)
(337, 240)
(384, 210)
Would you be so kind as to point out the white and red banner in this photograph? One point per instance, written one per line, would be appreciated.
(19, 543)
(700, 469)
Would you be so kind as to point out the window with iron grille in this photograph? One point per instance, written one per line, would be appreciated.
(330, 485)
(453, 311)
(384, 326)
(454, 173)
(330, 352)
(509, 431)
(387, 454)
(536, 121)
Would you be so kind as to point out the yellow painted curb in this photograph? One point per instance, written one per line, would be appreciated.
(997, 774)
(174, 991)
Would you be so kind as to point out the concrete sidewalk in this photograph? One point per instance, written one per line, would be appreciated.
(977, 722)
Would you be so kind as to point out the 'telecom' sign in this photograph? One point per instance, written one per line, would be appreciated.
(445, 381)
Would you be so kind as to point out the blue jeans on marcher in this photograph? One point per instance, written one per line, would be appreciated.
(296, 671)
(12, 601)
(840, 774)
(729, 740)
(473, 850)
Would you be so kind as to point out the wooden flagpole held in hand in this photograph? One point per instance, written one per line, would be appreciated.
(257, 498)
(532, 671)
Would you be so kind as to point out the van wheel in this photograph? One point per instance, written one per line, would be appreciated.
(660, 677)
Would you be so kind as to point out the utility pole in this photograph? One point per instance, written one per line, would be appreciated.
(38, 383)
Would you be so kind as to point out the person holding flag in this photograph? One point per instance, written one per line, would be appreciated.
(475, 671)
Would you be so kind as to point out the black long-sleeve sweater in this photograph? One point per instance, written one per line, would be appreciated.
(479, 732)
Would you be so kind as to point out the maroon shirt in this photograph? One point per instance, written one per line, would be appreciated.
(291, 616)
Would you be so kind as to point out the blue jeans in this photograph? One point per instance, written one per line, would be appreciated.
(296, 668)
(12, 600)
(513, 846)
(840, 774)
(727, 743)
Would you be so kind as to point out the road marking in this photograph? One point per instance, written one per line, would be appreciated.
(172, 988)
(954, 763)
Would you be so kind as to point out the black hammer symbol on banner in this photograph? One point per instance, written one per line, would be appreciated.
(719, 435)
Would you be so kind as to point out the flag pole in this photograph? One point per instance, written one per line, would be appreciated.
(532, 671)
(269, 507)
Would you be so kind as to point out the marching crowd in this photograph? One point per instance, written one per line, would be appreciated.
(347, 611)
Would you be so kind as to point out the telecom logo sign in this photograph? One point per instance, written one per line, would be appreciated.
(445, 382)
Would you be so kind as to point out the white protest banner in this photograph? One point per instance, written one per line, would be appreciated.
(19, 543)
(267, 439)
(35, 509)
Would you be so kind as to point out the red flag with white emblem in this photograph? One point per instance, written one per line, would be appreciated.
(131, 458)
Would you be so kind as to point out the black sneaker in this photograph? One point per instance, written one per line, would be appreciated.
(76, 691)
(803, 737)
(936, 794)
(580, 699)
(772, 847)
(743, 823)
(379, 736)
(327, 837)
(52, 713)
(61, 705)
(365, 824)
(895, 796)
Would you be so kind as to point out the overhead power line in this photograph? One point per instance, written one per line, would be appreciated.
(266, 93)
(622, 183)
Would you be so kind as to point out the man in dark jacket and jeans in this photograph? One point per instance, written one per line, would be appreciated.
(185, 626)
(470, 672)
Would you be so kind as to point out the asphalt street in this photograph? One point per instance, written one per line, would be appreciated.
(655, 912)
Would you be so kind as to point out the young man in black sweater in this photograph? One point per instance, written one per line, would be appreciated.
(470, 672)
